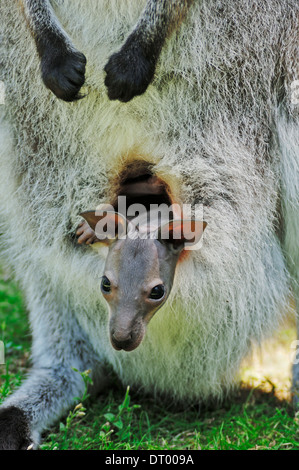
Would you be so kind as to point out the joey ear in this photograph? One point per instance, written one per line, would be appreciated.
(182, 233)
(107, 225)
(91, 218)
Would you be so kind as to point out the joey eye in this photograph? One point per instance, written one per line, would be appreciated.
(105, 285)
(157, 292)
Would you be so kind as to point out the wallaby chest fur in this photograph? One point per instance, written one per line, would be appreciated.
(208, 126)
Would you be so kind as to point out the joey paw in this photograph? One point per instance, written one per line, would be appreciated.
(85, 234)
(63, 72)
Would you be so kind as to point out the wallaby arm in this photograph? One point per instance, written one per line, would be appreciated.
(44, 25)
(158, 21)
(62, 65)
(50, 389)
(130, 71)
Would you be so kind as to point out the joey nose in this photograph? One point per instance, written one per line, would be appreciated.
(121, 336)
(121, 339)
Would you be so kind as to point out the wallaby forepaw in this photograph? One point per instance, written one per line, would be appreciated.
(63, 72)
(14, 430)
(128, 73)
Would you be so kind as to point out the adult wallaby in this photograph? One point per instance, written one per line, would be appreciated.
(217, 127)
(129, 71)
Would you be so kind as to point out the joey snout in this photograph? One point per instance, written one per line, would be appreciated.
(126, 330)
(129, 318)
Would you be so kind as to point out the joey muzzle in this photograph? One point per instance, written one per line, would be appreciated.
(125, 332)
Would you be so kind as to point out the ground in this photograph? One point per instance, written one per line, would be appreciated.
(258, 416)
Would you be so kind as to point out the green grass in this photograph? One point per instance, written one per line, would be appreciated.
(258, 416)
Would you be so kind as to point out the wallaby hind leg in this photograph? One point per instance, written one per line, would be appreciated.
(292, 246)
(62, 65)
(295, 371)
(295, 285)
(44, 396)
(288, 132)
(59, 347)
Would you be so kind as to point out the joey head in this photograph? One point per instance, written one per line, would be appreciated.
(139, 269)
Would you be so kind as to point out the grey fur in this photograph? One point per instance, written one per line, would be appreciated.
(218, 124)
(129, 71)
